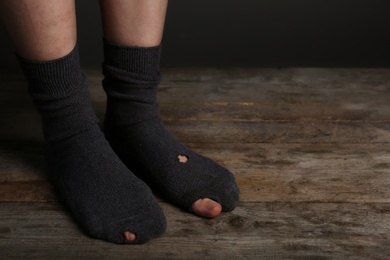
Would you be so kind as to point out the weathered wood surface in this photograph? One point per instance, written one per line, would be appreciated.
(269, 172)
(252, 231)
(309, 148)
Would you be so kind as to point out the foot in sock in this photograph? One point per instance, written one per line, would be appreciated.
(105, 198)
(134, 130)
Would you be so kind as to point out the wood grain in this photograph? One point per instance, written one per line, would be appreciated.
(310, 150)
(252, 231)
(265, 172)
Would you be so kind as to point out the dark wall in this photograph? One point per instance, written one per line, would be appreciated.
(338, 33)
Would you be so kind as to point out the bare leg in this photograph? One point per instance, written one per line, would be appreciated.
(134, 22)
(40, 30)
(140, 23)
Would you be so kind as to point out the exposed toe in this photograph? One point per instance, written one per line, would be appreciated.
(128, 236)
(207, 208)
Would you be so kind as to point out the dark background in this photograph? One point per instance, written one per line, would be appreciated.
(271, 33)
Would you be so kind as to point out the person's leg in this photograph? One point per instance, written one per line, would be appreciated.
(40, 30)
(133, 22)
(103, 195)
(133, 31)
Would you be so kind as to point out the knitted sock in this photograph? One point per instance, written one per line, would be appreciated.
(134, 130)
(102, 194)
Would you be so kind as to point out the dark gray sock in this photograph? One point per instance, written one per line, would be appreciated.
(102, 194)
(134, 130)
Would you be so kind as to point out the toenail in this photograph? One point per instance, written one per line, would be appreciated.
(182, 158)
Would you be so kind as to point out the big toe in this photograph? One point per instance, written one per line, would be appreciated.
(207, 208)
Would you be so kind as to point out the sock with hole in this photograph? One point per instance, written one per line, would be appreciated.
(104, 197)
(135, 131)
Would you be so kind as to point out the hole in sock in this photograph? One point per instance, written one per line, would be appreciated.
(182, 158)
(128, 236)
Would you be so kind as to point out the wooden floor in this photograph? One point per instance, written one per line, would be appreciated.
(310, 149)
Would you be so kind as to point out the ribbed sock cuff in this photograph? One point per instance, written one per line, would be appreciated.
(57, 76)
(138, 60)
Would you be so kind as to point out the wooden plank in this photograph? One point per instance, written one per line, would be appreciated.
(321, 96)
(369, 111)
(272, 112)
(252, 231)
(242, 85)
(293, 85)
(287, 86)
(264, 172)
(27, 191)
(235, 132)
(22, 161)
(279, 132)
